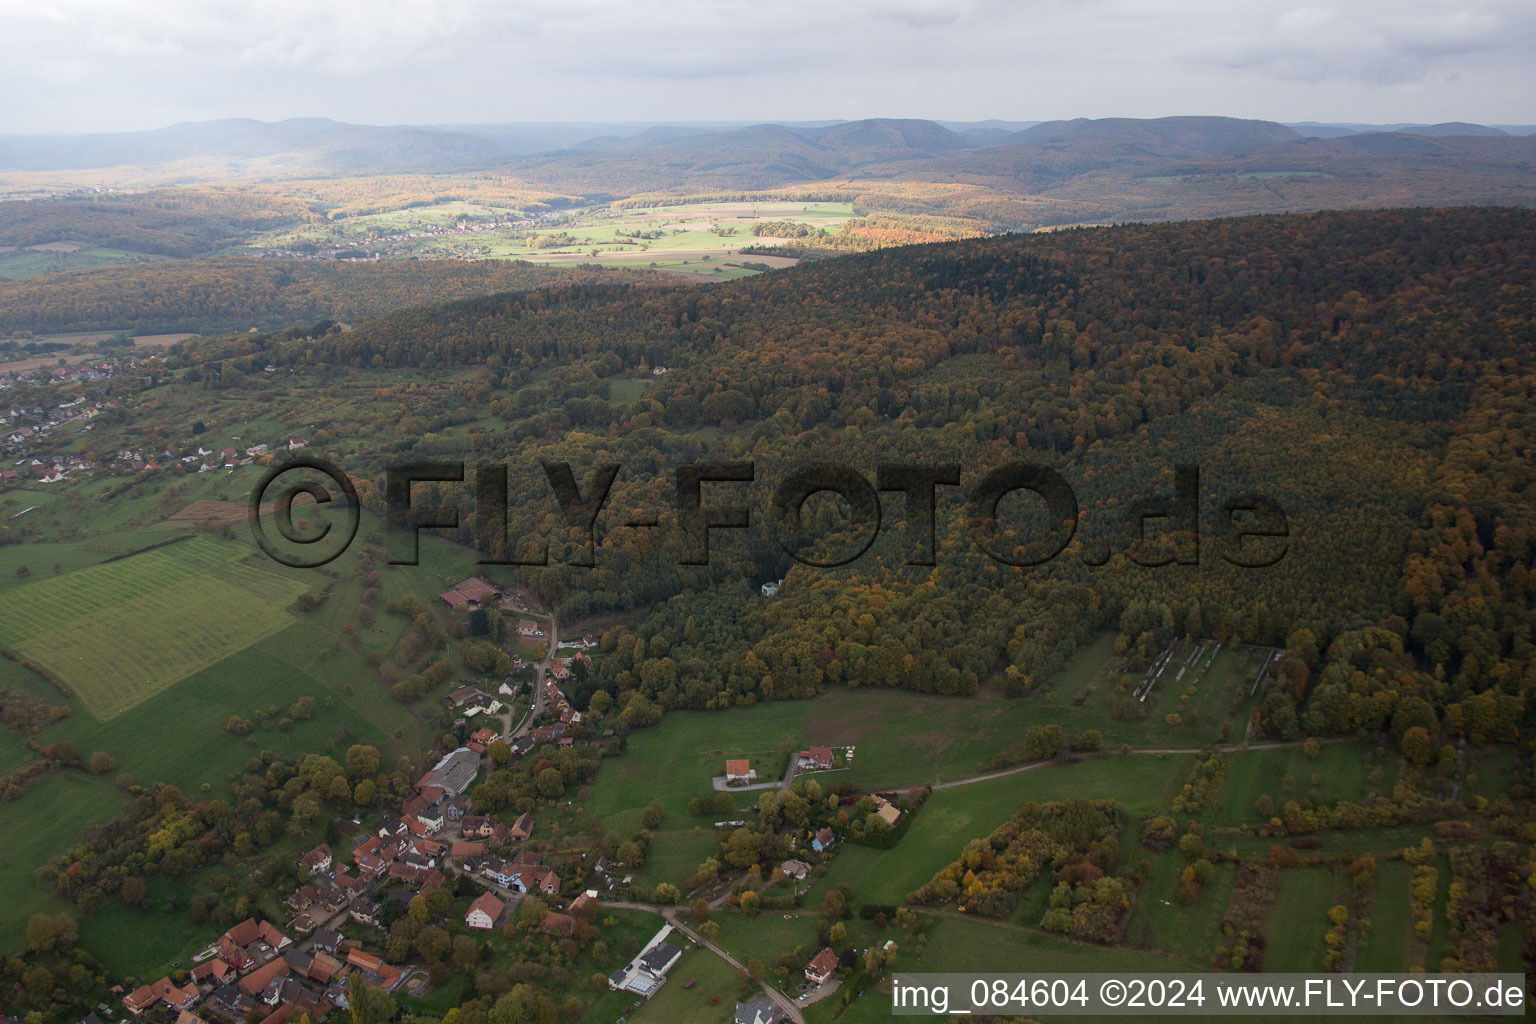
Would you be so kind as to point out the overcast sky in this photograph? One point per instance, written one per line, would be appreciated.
(90, 65)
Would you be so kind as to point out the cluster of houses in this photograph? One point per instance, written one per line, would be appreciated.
(57, 468)
(255, 972)
(207, 460)
(22, 428)
(399, 244)
(525, 873)
(83, 372)
(557, 707)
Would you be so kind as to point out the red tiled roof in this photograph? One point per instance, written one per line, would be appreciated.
(253, 983)
(487, 904)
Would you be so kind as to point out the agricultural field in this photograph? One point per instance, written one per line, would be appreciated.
(696, 239)
(170, 613)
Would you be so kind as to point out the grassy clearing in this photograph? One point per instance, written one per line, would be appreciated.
(47, 820)
(626, 390)
(1385, 949)
(17, 263)
(1299, 919)
(951, 817)
(136, 942)
(44, 560)
(1341, 771)
(765, 937)
(1159, 922)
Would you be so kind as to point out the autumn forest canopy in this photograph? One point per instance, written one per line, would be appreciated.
(1369, 372)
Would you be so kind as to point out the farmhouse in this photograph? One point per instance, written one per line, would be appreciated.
(256, 982)
(739, 771)
(477, 590)
(484, 912)
(796, 869)
(887, 811)
(822, 966)
(453, 698)
(141, 999)
(318, 859)
(522, 828)
(816, 758)
(249, 941)
(527, 627)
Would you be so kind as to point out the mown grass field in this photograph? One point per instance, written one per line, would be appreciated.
(1299, 920)
(1385, 949)
(118, 633)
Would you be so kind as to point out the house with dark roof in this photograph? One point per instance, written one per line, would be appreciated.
(658, 960)
(757, 1010)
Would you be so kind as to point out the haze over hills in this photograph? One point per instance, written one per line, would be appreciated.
(313, 145)
(310, 185)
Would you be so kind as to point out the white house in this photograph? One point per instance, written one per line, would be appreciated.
(484, 912)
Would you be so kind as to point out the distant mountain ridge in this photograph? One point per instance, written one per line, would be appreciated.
(781, 150)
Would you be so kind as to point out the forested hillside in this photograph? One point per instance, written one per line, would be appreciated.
(238, 293)
(1369, 373)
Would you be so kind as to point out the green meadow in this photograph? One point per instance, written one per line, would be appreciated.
(48, 821)
(120, 632)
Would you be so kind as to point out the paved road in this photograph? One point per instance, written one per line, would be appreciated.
(538, 682)
(782, 1001)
